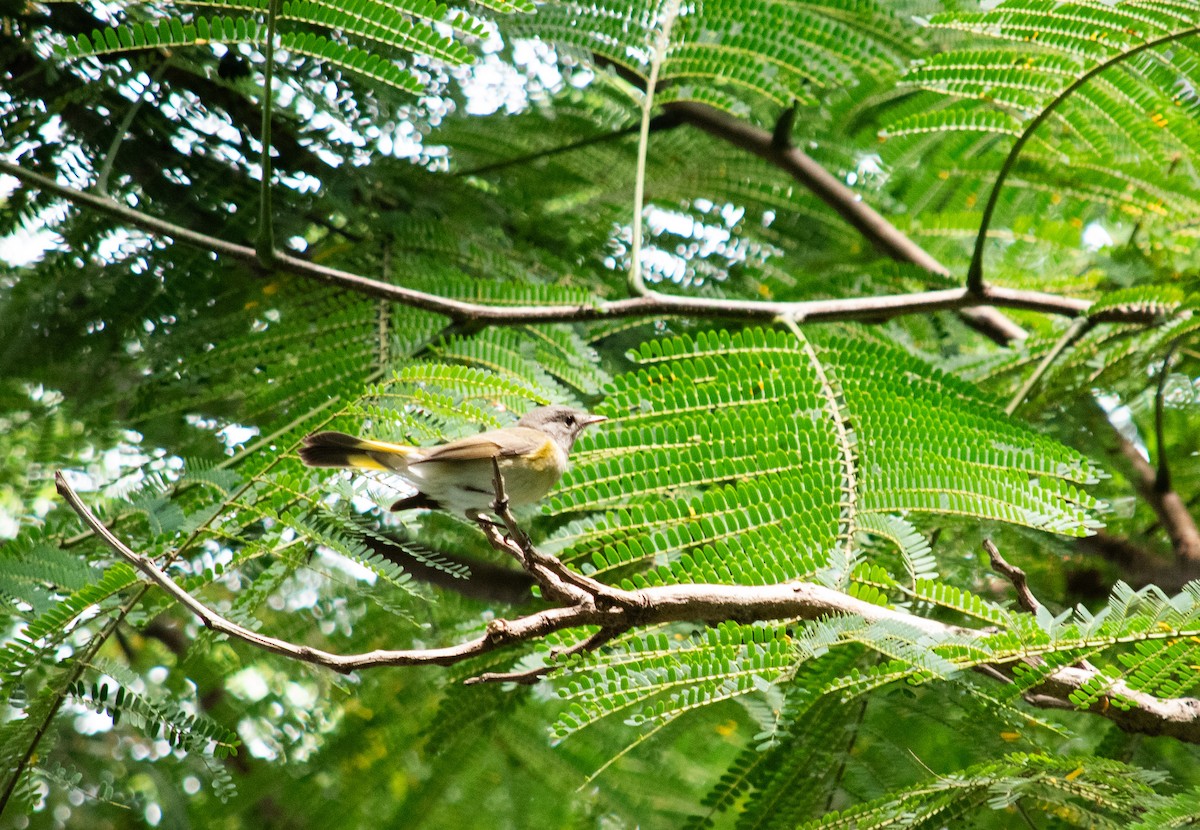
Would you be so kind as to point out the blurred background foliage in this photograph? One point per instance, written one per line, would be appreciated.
(489, 152)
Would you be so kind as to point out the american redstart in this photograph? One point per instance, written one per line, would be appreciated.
(458, 476)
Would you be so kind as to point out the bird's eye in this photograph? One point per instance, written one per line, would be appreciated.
(570, 420)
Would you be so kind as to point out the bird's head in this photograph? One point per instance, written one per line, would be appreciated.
(562, 423)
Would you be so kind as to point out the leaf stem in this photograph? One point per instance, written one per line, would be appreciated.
(1079, 327)
(265, 244)
(846, 439)
(637, 281)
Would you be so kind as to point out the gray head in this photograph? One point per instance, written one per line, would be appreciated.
(562, 423)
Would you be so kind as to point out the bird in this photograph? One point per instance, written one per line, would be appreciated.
(458, 476)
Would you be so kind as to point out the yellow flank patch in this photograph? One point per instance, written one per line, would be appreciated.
(545, 458)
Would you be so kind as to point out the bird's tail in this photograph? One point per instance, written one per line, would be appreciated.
(337, 449)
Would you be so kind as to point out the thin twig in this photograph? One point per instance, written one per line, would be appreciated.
(550, 152)
(110, 157)
(527, 677)
(531, 676)
(1079, 327)
(547, 570)
(1162, 477)
(552, 580)
(1013, 574)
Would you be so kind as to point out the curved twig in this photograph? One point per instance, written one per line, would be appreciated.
(1025, 598)
(637, 281)
(975, 273)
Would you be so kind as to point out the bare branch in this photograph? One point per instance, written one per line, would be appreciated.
(654, 304)
(1013, 574)
(498, 633)
(1166, 503)
(1139, 566)
(709, 604)
(886, 237)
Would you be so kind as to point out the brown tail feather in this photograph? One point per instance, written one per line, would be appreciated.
(327, 449)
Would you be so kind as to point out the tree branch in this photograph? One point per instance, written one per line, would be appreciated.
(886, 237)
(1166, 503)
(1025, 598)
(652, 305)
(1139, 567)
(881, 233)
(710, 604)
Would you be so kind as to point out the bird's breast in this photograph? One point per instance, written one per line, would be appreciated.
(549, 458)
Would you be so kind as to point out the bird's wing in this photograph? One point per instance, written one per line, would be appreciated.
(497, 443)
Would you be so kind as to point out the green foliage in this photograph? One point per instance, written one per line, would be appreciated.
(1115, 83)
(871, 458)
(720, 51)
(1095, 793)
(321, 29)
(158, 718)
(683, 478)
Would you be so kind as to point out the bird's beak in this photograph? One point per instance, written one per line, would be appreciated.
(594, 419)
